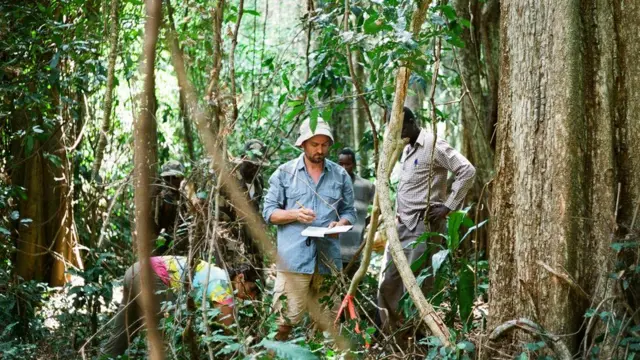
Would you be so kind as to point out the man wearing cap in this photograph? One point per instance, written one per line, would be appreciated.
(247, 172)
(309, 190)
(167, 203)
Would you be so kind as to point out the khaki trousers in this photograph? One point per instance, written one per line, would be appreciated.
(301, 293)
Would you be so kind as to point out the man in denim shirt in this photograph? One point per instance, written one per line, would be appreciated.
(307, 191)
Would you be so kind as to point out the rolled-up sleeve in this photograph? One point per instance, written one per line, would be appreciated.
(347, 209)
(275, 197)
(452, 160)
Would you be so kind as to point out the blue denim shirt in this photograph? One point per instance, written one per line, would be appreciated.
(331, 199)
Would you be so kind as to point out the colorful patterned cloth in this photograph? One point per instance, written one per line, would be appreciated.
(173, 269)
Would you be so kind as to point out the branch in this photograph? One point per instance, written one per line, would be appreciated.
(108, 99)
(144, 127)
(553, 341)
(359, 91)
(232, 67)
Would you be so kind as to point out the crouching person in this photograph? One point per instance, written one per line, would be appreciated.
(169, 276)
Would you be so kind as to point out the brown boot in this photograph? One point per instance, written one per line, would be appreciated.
(283, 333)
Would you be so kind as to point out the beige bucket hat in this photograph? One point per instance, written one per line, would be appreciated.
(322, 128)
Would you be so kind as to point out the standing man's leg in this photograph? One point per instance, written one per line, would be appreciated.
(295, 287)
(321, 312)
(391, 288)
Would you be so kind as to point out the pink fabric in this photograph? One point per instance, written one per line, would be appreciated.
(160, 268)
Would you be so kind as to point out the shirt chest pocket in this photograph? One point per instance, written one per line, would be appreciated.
(291, 196)
(330, 199)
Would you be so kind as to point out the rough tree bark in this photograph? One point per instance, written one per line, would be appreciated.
(108, 98)
(568, 135)
(145, 167)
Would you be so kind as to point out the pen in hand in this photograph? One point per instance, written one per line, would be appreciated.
(304, 215)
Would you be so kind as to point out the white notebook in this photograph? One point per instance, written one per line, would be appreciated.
(314, 231)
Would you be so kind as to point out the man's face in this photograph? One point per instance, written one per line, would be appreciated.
(407, 128)
(316, 148)
(249, 170)
(174, 181)
(346, 162)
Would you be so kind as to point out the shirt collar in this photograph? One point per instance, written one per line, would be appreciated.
(419, 141)
(300, 163)
(421, 137)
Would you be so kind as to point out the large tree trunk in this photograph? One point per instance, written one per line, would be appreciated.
(568, 135)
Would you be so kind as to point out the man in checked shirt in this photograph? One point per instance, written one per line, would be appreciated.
(411, 206)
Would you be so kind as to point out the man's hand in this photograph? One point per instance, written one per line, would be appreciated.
(337, 223)
(438, 211)
(304, 215)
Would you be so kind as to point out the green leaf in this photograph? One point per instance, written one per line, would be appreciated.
(326, 114)
(313, 115)
(4, 231)
(229, 348)
(625, 245)
(455, 41)
(294, 103)
(28, 147)
(294, 112)
(465, 294)
(466, 346)
(535, 346)
(313, 123)
(456, 219)
(287, 350)
(438, 259)
(54, 61)
(372, 25)
(285, 80)
(473, 228)
(448, 11)
(251, 12)
(54, 159)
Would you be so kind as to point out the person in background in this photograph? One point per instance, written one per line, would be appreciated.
(169, 277)
(308, 190)
(363, 192)
(412, 206)
(168, 202)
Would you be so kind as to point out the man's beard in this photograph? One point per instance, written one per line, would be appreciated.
(317, 159)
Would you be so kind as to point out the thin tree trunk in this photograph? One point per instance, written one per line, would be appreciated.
(184, 116)
(359, 89)
(212, 96)
(473, 111)
(108, 99)
(359, 114)
(232, 65)
(567, 139)
(144, 170)
(390, 148)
